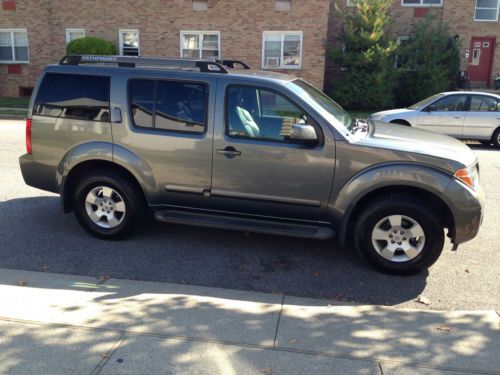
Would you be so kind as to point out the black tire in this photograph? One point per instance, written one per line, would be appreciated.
(496, 138)
(135, 207)
(409, 207)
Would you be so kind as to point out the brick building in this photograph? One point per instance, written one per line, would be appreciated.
(270, 34)
(475, 22)
(285, 35)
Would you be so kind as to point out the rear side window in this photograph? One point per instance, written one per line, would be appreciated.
(169, 105)
(78, 97)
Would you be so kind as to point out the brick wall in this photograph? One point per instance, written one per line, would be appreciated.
(241, 23)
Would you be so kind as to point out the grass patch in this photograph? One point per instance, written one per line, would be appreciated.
(9, 102)
(13, 112)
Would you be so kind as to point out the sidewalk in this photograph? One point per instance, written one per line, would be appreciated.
(63, 324)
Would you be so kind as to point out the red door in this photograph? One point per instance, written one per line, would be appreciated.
(481, 58)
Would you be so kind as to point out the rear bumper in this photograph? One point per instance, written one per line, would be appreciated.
(38, 175)
(467, 208)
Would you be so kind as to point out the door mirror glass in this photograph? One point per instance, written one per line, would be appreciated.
(303, 132)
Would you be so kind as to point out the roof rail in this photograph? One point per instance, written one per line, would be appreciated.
(232, 63)
(206, 66)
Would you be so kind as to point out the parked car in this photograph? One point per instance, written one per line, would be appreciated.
(463, 115)
(203, 143)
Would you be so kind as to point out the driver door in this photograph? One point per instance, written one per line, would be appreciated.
(445, 116)
(257, 169)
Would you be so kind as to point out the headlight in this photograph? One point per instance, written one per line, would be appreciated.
(469, 176)
(376, 117)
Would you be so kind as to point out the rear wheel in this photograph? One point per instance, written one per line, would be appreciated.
(108, 205)
(496, 138)
(399, 235)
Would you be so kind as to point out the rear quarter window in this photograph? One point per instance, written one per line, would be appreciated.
(72, 96)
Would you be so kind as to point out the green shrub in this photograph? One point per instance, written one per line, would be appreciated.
(90, 46)
(365, 63)
(430, 62)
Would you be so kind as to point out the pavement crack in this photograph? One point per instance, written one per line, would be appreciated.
(279, 319)
(106, 357)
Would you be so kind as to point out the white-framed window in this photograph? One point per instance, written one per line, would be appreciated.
(200, 44)
(422, 3)
(73, 34)
(486, 10)
(282, 49)
(283, 5)
(14, 46)
(129, 42)
(200, 5)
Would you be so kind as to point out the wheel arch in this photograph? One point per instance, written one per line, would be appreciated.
(400, 122)
(84, 167)
(444, 212)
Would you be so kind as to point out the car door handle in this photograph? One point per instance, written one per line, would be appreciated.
(458, 117)
(230, 152)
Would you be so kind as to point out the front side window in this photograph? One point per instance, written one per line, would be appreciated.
(282, 49)
(452, 103)
(169, 105)
(14, 46)
(129, 42)
(486, 10)
(481, 103)
(73, 34)
(422, 3)
(261, 114)
(78, 97)
(200, 44)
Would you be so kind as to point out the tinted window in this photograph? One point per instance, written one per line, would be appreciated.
(261, 114)
(79, 97)
(142, 93)
(480, 103)
(179, 106)
(452, 103)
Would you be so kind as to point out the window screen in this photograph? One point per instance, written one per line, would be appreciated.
(179, 106)
(79, 97)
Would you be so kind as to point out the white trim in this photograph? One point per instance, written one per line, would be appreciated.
(12, 31)
(120, 39)
(71, 30)
(422, 5)
(483, 20)
(200, 34)
(282, 34)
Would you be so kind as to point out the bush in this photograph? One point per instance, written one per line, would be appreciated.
(429, 63)
(365, 63)
(90, 46)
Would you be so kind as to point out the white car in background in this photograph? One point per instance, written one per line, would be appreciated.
(463, 115)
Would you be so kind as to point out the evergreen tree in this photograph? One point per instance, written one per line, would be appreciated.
(365, 63)
(430, 62)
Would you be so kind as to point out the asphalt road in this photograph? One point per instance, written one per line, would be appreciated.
(36, 235)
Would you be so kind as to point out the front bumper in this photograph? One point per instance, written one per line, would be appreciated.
(467, 208)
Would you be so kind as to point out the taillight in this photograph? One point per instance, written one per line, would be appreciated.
(28, 136)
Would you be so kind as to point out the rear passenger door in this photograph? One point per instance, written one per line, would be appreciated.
(168, 126)
(483, 117)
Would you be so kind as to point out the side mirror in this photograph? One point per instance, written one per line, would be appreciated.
(431, 108)
(303, 132)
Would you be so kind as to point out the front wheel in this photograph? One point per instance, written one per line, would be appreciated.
(399, 235)
(108, 205)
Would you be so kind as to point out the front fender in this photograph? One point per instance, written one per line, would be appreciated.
(387, 175)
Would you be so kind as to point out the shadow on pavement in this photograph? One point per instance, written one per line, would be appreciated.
(37, 236)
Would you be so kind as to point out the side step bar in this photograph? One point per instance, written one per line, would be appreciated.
(245, 224)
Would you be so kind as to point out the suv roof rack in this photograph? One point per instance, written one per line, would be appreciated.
(206, 66)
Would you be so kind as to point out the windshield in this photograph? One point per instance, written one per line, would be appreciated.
(426, 101)
(328, 108)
